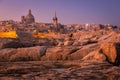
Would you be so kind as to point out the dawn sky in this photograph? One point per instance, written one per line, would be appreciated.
(68, 11)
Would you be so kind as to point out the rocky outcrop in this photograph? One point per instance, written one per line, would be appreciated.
(95, 56)
(115, 38)
(59, 53)
(60, 44)
(76, 43)
(60, 70)
(112, 52)
(5, 54)
(73, 47)
(68, 43)
(44, 53)
(83, 59)
(23, 54)
(83, 51)
(22, 43)
(9, 43)
(108, 52)
(28, 54)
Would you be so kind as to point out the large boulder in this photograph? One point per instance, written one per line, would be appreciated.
(96, 55)
(9, 43)
(59, 53)
(53, 53)
(5, 54)
(29, 54)
(112, 52)
(22, 54)
(83, 51)
(17, 43)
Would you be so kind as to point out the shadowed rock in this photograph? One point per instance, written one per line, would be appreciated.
(112, 52)
(10, 43)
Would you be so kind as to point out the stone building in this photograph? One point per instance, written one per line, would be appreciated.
(28, 19)
(57, 27)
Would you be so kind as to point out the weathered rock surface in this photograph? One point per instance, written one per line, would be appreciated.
(83, 51)
(59, 53)
(60, 44)
(46, 42)
(9, 43)
(5, 54)
(76, 43)
(61, 57)
(78, 46)
(112, 52)
(68, 43)
(115, 38)
(44, 53)
(63, 70)
(19, 43)
(22, 54)
(95, 55)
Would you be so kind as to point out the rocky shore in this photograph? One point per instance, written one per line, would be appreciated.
(81, 55)
(58, 70)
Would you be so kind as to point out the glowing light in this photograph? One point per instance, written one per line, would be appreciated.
(39, 35)
(13, 34)
(10, 34)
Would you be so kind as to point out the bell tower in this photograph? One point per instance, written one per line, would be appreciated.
(55, 20)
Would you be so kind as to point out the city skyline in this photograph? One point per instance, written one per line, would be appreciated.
(68, 12)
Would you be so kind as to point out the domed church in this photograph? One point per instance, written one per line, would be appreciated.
(29, 18)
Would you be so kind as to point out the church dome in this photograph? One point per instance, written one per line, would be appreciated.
(30, 17)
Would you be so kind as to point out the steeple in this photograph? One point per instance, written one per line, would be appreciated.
(29, 11)
(55, 17)
(55, 20)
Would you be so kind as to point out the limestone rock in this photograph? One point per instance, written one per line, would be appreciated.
(83, 51)
(68, 43)
(22, 54)
(112, 52)
(99, 56)
(28, 54)
(6, 53)
(52, 54)
(95, 55)
(9, 43)
(59, 53)
(115, 38)
(76, 43)
(60, 44)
